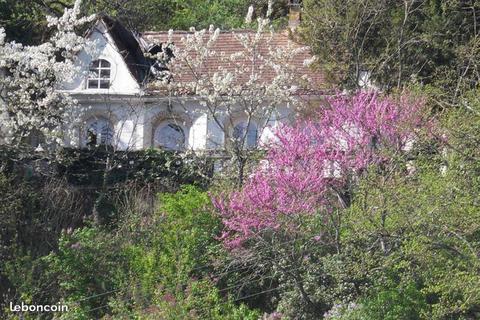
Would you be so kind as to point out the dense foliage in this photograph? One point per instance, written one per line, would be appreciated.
(404, 246)
(25, 22)
(396, 42)
(150, 266)
(366, 209)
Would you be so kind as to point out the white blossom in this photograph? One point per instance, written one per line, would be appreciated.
(309, 61)
(248, 18)
(250, 83)
(270, 8)
(31, 75)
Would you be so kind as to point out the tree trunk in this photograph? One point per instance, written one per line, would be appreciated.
(101, 194)
(240, 171)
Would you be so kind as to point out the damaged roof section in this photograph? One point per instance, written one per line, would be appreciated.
(134, 52)
(130, 49)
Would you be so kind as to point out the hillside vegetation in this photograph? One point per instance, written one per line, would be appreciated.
(367, 208)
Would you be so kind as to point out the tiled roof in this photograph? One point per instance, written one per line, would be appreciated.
(132, 48)
(228, 44)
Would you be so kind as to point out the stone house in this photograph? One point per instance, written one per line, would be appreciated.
(121, 109)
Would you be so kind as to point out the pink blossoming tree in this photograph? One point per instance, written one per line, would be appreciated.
(311, 167)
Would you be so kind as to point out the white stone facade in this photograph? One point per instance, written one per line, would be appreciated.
(129, 119)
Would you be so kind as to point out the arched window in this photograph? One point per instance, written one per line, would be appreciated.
(247, 137)
(169, 136)
(99, 131)
(99, 75)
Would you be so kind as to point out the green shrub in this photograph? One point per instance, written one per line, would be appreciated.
(137, 269)
(169, 266)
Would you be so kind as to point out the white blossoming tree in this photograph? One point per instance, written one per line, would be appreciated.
(249, 83)
(30, 103)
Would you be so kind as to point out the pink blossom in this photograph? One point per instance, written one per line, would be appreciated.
(314, 157)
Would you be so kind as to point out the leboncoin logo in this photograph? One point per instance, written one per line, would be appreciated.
(38, 307)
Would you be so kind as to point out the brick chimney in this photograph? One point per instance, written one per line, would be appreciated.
(294, 14)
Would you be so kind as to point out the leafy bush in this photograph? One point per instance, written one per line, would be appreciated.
(33, 214)
(146, 263)
(389, 304)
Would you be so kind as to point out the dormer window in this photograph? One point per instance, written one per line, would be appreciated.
(99, 75)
